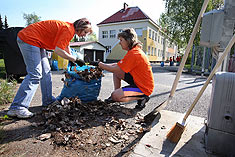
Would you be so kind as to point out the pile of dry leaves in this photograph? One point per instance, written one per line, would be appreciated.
(93, 129)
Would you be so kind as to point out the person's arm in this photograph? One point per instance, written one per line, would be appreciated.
(66, 54)
(68, 50)
(114, 68)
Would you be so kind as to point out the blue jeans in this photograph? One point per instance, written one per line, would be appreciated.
(38, 71)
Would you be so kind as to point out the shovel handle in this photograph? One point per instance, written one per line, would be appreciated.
(188, 48)
(225, 53)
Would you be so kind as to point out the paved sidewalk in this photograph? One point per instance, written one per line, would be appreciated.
(155, 144)
(167, 66)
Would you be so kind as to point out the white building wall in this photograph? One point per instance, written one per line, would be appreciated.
(94, 46)
(117, 27)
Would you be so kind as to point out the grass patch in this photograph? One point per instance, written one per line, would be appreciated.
(188, 66)
(7, 91)
(2, 69)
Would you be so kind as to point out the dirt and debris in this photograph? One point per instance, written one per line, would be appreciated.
(93, 129)
(86, 74)
(73, 128)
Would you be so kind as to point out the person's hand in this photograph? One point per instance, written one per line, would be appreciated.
(72, 63)
(80, 62)
(94, 63)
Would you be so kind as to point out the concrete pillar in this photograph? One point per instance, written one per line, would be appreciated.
(228, 30)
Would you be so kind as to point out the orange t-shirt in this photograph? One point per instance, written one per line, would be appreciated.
(137, 64)
(48, 34)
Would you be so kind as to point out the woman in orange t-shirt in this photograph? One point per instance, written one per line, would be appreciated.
(134, 68)
(32, 41)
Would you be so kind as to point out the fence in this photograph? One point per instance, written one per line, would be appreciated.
(202, 61)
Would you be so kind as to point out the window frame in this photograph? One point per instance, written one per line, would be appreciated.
(149, 49)
(105, 34)
(108, 49)
(112, 33)
(150, 33)
(137, 32)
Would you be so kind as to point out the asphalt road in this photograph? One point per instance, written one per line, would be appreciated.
(187, 90)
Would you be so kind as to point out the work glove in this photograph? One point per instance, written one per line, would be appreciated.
(80, 62)
(94, 63)
(72, 63)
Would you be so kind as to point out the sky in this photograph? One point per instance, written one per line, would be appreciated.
(71, 10)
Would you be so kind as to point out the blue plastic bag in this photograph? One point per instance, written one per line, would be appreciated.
(75, 86)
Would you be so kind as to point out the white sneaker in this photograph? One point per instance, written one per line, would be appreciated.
(22, 113)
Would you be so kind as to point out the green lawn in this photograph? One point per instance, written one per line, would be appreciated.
(2, 69)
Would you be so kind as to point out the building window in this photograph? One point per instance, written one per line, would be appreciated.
(112, 34)
(148, 50)
(159, 54)
(108, 49)
(153, 35)
(159, 38)
(155, 51)
(150, 33)
(104, 34)
(152, 52)
(139, 32)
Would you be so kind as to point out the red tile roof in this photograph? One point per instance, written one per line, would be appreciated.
(130, 14)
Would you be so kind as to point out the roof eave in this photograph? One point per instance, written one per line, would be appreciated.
(122, 22)
(86, 43)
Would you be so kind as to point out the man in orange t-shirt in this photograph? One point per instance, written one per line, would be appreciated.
(32, 41)
(134, 68)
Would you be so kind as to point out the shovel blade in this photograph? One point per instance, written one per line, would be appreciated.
(152, 115)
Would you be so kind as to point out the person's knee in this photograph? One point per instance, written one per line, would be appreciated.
(116, 96)
(35, 77)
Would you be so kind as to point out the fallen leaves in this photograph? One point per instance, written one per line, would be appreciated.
(92, 128)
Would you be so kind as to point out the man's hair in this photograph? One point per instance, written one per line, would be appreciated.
(82, 24)
(130, 36)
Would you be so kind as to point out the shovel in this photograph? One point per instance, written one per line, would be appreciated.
(156, 110)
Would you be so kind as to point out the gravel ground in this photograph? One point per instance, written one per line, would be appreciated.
(20, 138)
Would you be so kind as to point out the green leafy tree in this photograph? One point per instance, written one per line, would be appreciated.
(75, 38)
(1, 23)
(81, 39)
(31, 18)
(92, 37)
(5, 23)
(181, 16)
